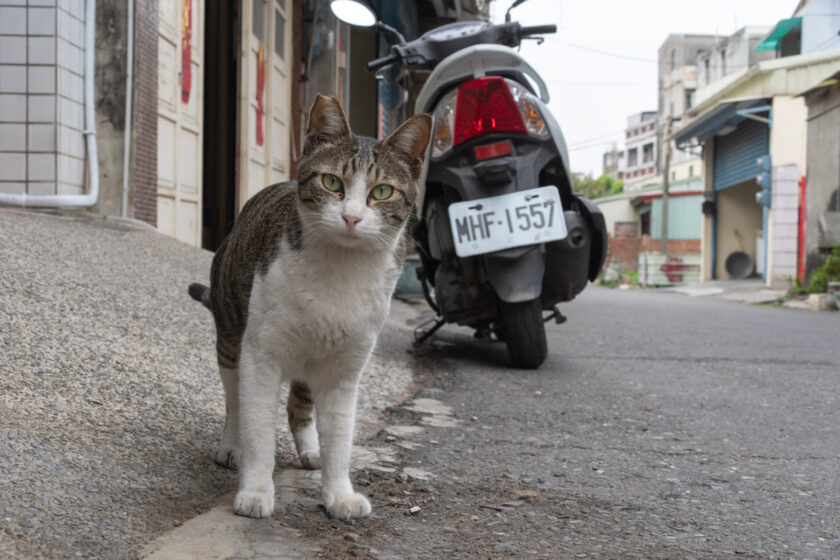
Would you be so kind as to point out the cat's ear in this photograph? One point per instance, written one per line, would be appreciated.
(327, 123)
(412, 139)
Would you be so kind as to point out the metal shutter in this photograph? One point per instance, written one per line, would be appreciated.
(736, 153)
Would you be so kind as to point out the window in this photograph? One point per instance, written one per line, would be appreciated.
(673, 59)
(632, 158)
(691, 171)
(279, 33)
(671, 109)
(647, 153)
(689, 93)
(723, 63)
(706, 67)
(258, 20)
(673, 176)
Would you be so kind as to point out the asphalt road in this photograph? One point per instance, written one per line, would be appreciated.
(661, 426)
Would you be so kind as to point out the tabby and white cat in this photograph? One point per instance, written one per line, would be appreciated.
(299, 291)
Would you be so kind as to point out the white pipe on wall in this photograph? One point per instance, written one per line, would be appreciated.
(129, 81)
(75, 200)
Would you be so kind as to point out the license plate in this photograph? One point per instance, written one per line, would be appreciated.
(510, 220)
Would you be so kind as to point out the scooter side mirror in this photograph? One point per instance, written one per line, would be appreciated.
(353, 12)
(358, 13)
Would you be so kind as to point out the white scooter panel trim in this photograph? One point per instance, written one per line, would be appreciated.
(476, 62)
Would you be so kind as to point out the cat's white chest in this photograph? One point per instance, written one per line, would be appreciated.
(304, 305)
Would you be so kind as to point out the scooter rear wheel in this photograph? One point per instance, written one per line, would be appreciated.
(524, 332)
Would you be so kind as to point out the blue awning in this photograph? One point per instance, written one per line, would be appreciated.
(710, 123)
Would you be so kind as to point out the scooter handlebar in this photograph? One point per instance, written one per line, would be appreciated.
(538, 29)
(378, 63)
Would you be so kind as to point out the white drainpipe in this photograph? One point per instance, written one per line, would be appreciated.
(74, 200)
(129, 84)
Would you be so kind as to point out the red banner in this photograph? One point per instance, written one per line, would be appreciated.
(260, 93)
(186, 50)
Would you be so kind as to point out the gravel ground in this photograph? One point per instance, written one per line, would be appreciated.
(110, 404)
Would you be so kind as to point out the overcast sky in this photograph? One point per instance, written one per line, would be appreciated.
(592, 94)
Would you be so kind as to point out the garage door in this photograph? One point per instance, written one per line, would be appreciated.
(737, 152)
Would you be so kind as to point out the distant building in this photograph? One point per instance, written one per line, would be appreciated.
(678, 83)
(612, 163)
(640, 143)
(813, 28)
(729, 57)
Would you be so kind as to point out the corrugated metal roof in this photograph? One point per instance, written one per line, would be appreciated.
(710, 123)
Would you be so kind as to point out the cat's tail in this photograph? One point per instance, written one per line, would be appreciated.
(201, 293)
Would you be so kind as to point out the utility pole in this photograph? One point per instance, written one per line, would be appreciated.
(663, 237)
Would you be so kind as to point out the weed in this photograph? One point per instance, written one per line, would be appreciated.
(828, 272)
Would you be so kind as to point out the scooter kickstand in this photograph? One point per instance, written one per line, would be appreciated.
(420, 336)
(558, 317)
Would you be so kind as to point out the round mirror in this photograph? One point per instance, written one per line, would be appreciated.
(353, 12)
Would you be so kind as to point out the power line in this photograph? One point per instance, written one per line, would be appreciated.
(594, 138)
(636, 58)
(605, 53)
(826, 42)
(647, 83)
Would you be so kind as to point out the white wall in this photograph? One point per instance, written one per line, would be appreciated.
(784, 220)
(789, 133)
(618, 210)
(820, 22)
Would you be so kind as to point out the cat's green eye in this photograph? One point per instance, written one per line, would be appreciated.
(382, 192)
(331, 182)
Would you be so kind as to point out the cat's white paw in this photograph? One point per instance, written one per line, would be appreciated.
(310, 460)
(254, 503)
(227, 457)
(347, 507)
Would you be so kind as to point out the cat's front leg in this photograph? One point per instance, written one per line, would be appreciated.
(336, 408)
(258, 396)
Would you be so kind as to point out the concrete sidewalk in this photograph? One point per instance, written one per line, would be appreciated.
(752, 290)
(110, 404)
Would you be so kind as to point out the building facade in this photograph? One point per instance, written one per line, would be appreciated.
(613, 163)
(640, 141)
(727, 57)
(821, 201)
(197, 104)
(753, 135)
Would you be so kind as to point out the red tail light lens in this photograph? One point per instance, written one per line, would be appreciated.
(486, 105)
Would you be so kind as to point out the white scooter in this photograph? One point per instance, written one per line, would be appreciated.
(502, 236)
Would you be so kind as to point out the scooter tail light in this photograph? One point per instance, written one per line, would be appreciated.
(444, 117)
(486, 105)
(529, 110)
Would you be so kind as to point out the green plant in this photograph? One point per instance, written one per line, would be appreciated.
(794, 286)
(608, 282)
(828, 272)
(593, 188)
(632, 276)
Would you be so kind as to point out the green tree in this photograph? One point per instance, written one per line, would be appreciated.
(596, 188)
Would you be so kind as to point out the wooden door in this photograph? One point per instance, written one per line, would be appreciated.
(265, 131)
(180, 82)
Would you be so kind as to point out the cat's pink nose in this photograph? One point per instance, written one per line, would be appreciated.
(351, 221)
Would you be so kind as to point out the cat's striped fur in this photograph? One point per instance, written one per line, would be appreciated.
(299, 291)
